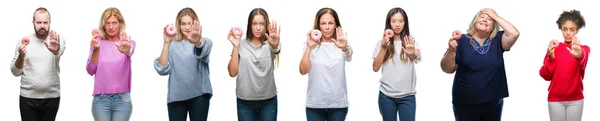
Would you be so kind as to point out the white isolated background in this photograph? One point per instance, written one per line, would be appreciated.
(431, 22)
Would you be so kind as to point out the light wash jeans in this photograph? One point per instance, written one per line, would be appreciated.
(112, 107)
(566, 110)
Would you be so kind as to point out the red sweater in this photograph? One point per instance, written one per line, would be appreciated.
(565, 73)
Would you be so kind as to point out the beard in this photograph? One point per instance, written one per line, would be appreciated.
(41, 33)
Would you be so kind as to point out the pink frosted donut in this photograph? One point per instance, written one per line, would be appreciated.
(96, 33)
(171, 30)
(316, 35)
(389, 32)
(554, 42)
(237, 32)
(25, 40)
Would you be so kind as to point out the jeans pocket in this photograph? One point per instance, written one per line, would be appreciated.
(126, 97)
(96, 99)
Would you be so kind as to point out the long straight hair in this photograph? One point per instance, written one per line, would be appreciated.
(391, 50)
(249, 35)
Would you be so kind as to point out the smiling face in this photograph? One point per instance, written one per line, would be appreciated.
(484, 23)
(185, 25)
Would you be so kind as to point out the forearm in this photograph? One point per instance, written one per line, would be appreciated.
(163, 60)
(448, 63)
(233, 66)
(305, 62)
(95, 56)
(378, 61)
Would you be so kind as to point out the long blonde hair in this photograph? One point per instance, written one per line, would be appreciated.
(109, 12)
(472, 30)
(187, 11)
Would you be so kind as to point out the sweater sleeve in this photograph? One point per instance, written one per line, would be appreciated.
(203, 54)
(547, 70)
(585, 52)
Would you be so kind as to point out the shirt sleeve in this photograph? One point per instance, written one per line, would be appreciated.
(203, 54)
(585, 52)
(547, 70)
(13, 68)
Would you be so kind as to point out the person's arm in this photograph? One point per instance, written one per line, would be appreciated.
(62, 47)
(132, 48)
(162, 64)
(348, 52)
(378, 56)
(305, 62)
(511, 34)
(234, 62)
(417, 56)
(448, 63)
(547, 70)
(202, 51)
(275, 49)
(585, 52)
(16, 66)
(92, 63)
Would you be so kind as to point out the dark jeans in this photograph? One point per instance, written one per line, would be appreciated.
(326, 114)
(392, 108)
(257, 110)
(489, 111)
(38, 109)
(197, 107)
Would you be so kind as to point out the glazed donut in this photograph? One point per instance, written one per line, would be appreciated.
(171, 30)
(96, 33)
(237, 32)
(389, 33)
(25, 41)
(316, 35)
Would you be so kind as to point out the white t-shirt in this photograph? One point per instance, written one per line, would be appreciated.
(398, 78)
(327, 77)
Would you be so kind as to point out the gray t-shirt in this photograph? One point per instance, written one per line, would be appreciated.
(255, 79)
(327, 77)
(398, 78)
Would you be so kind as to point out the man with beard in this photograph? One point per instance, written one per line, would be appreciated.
(36, 60)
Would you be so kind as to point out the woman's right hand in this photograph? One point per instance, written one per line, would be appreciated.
(95, 44)
(551, 48)
(452, 44)
(310, 42)
(385, 42)
(235, 41)
(168, 38)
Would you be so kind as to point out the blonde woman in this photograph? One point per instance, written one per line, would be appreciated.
(478, 60)
(185, 58)
(110, 64)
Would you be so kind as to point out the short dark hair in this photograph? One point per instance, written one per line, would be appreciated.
(572, 15)
(42, 9)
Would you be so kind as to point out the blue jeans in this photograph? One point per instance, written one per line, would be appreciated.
(489, 111)
(197, 107)
(326, 114)
(257, 110)
(392, 108)
(112, 107)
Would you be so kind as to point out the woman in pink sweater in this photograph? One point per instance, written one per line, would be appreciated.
(564, 66)
(110, 64)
